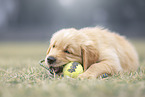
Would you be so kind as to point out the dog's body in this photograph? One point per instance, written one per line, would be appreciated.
(99, 50)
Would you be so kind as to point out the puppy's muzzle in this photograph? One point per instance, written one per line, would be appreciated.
(51, 60)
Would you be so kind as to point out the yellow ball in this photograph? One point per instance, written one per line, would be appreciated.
(72, 69)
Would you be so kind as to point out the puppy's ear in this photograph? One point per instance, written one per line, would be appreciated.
(89, 55)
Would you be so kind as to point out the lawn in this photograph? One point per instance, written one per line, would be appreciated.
(21, 76)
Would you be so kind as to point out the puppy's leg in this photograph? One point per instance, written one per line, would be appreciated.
(110, 65)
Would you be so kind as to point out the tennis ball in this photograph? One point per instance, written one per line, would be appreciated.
(72, 69)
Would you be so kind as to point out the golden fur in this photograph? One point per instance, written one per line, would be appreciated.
(99, 50)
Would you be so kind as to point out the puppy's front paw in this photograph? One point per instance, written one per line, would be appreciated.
(86, 76)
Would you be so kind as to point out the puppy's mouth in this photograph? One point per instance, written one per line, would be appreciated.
(57, 70)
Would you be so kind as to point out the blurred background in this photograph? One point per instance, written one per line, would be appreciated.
(31, 20)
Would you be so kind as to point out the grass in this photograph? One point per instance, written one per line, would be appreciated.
(21, 76)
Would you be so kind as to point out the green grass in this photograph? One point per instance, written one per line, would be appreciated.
(21, 76)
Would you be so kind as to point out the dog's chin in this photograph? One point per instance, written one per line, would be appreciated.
(58, 69)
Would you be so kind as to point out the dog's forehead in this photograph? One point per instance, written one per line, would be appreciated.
(65, 33)
(64, 38)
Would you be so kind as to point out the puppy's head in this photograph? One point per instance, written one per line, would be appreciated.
(69, 45)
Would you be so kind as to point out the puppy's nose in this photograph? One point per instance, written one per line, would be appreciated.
(51, 60)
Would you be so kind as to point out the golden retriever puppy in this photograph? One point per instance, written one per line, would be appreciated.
(98, 50)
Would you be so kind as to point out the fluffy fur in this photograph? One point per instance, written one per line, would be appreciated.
(99, 50)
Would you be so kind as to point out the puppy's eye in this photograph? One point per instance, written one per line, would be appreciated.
(66, 51)
(53, 46)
